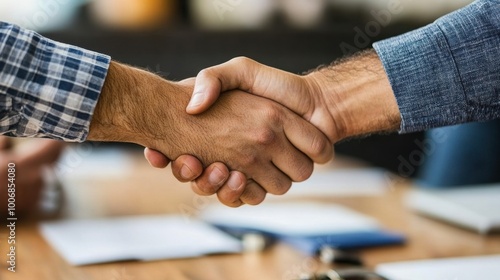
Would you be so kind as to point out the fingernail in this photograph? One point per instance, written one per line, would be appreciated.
(186, 172)
(216, 177)
(234, 182)
(196, 99)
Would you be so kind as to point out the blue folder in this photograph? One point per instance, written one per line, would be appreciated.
(311, 244)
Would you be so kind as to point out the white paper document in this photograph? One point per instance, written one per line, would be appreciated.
(343, 182)
(144, 238)
(291, 218)
(475, 207)
(469, 268)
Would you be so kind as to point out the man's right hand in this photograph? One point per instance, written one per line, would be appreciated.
(271, 145)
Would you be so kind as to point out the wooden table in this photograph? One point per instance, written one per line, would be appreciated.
(149, 191)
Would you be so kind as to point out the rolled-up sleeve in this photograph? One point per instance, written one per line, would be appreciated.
(449, 71)
(47, 89)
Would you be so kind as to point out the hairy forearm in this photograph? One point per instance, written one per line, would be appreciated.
(124, 111)
(358, 95)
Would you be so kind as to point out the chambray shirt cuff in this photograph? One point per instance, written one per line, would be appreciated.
(446, 73)
(424, 79)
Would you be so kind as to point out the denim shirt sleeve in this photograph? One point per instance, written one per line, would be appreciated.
(449, 71)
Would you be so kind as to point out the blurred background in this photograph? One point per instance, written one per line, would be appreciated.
(178, 38)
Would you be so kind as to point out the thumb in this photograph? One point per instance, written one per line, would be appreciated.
(206, 90)
(248, 75)
(237, 73)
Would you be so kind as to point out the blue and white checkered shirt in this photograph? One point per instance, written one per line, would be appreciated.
(47, 89)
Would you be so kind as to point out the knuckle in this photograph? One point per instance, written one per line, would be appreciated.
(271, 113)
(195, 188)
(304, 172)
(229, 198)
(280, 188)
(232, 204)
(319, 146)
(204, 72)
(265, 137)
(241, 60)
(209, 189)
(249, 160)
(255, 200)
(251, 196)
(202, 187)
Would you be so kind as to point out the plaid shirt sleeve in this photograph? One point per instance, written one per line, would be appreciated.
(47, 89)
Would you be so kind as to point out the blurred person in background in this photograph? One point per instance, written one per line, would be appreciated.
(31, 157)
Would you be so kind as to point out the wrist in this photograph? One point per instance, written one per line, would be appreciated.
(129, 100)
(358, 96)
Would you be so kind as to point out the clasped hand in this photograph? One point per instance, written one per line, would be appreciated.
(266, 146)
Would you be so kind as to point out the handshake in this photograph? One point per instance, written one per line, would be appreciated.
(242, 129)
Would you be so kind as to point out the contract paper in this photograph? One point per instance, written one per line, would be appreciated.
(144, 238)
